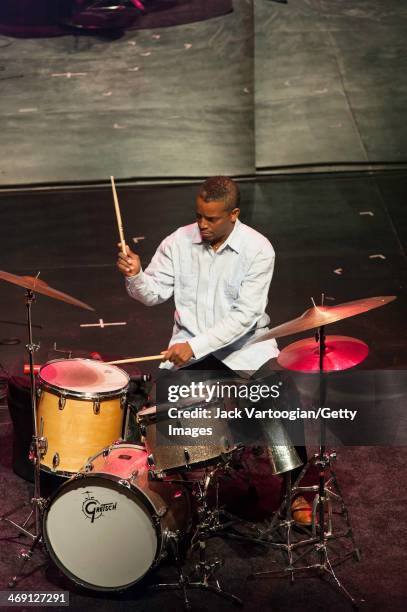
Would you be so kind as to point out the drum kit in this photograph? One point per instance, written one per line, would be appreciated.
(142, 499)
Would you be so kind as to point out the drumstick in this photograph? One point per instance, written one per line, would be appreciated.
(118, 216)
(135, 359)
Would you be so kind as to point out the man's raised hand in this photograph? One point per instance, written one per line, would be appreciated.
(128, 264)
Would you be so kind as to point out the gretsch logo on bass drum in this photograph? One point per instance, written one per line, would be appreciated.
(93, 509)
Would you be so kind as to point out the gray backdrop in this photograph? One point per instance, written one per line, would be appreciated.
(327, 86)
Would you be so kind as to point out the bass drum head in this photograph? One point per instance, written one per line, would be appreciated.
(101, 534)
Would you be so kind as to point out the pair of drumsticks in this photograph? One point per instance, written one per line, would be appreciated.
(124, 251)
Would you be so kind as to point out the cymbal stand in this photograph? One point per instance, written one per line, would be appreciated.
(317, 541)
(38, 445)
(204, 571)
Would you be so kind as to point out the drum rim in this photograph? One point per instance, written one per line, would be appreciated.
(81, 395)
(182, 469)
(66, 474)
(112, 446)
(61, 473)
(133, 492)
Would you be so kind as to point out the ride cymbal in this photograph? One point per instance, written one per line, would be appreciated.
(317, 316)
(39, 286)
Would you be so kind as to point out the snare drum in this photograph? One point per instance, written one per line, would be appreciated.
(80, 410)
(108, 526)
(181, 452)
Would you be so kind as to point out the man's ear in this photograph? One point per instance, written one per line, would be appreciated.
(235, 213)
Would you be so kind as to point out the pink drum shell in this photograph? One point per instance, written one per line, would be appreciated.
(162, 493)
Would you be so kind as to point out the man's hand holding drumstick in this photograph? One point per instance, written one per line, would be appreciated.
(179, 353)
(128, 263)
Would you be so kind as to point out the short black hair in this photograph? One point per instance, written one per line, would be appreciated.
(222, 188)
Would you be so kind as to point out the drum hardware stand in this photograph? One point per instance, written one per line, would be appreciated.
(213, 523)
(320, 535)
(204, 570)
(227, 528)
(38, 445)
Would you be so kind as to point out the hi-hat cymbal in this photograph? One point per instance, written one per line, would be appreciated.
(39, 286)
(317, 316)
(341, 353)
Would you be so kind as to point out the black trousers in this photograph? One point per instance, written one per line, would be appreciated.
(211, 363)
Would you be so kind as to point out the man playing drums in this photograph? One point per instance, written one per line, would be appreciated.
(219, 271)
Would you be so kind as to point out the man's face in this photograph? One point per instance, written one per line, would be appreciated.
(214, 221)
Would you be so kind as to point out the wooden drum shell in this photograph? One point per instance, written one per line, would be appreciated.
(77, 432)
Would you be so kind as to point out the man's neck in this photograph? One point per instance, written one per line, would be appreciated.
(215, 245)
(218, 243)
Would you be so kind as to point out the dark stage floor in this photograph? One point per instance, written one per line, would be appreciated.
(344, 235)
(317, 226)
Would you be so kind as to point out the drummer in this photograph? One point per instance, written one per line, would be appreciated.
(219, 271)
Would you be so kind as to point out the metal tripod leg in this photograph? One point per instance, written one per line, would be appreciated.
(204, 571)
(344, 511)
(21, 528)
(182, 583)
(24, 556)
(326, 568)
(228, 529)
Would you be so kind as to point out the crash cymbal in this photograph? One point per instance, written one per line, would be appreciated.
(39, 286)
(341, 353)
(323, 315)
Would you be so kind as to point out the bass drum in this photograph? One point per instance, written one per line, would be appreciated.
(107, 527)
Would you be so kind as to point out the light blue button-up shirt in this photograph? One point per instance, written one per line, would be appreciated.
(220, 296)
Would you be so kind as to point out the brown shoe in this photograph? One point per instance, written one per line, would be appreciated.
(301, 511)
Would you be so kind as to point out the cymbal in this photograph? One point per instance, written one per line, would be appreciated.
(318, 316)
(341, 353)
(39, 286)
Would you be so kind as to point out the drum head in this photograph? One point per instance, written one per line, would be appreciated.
(83, 376)
(100, 534)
